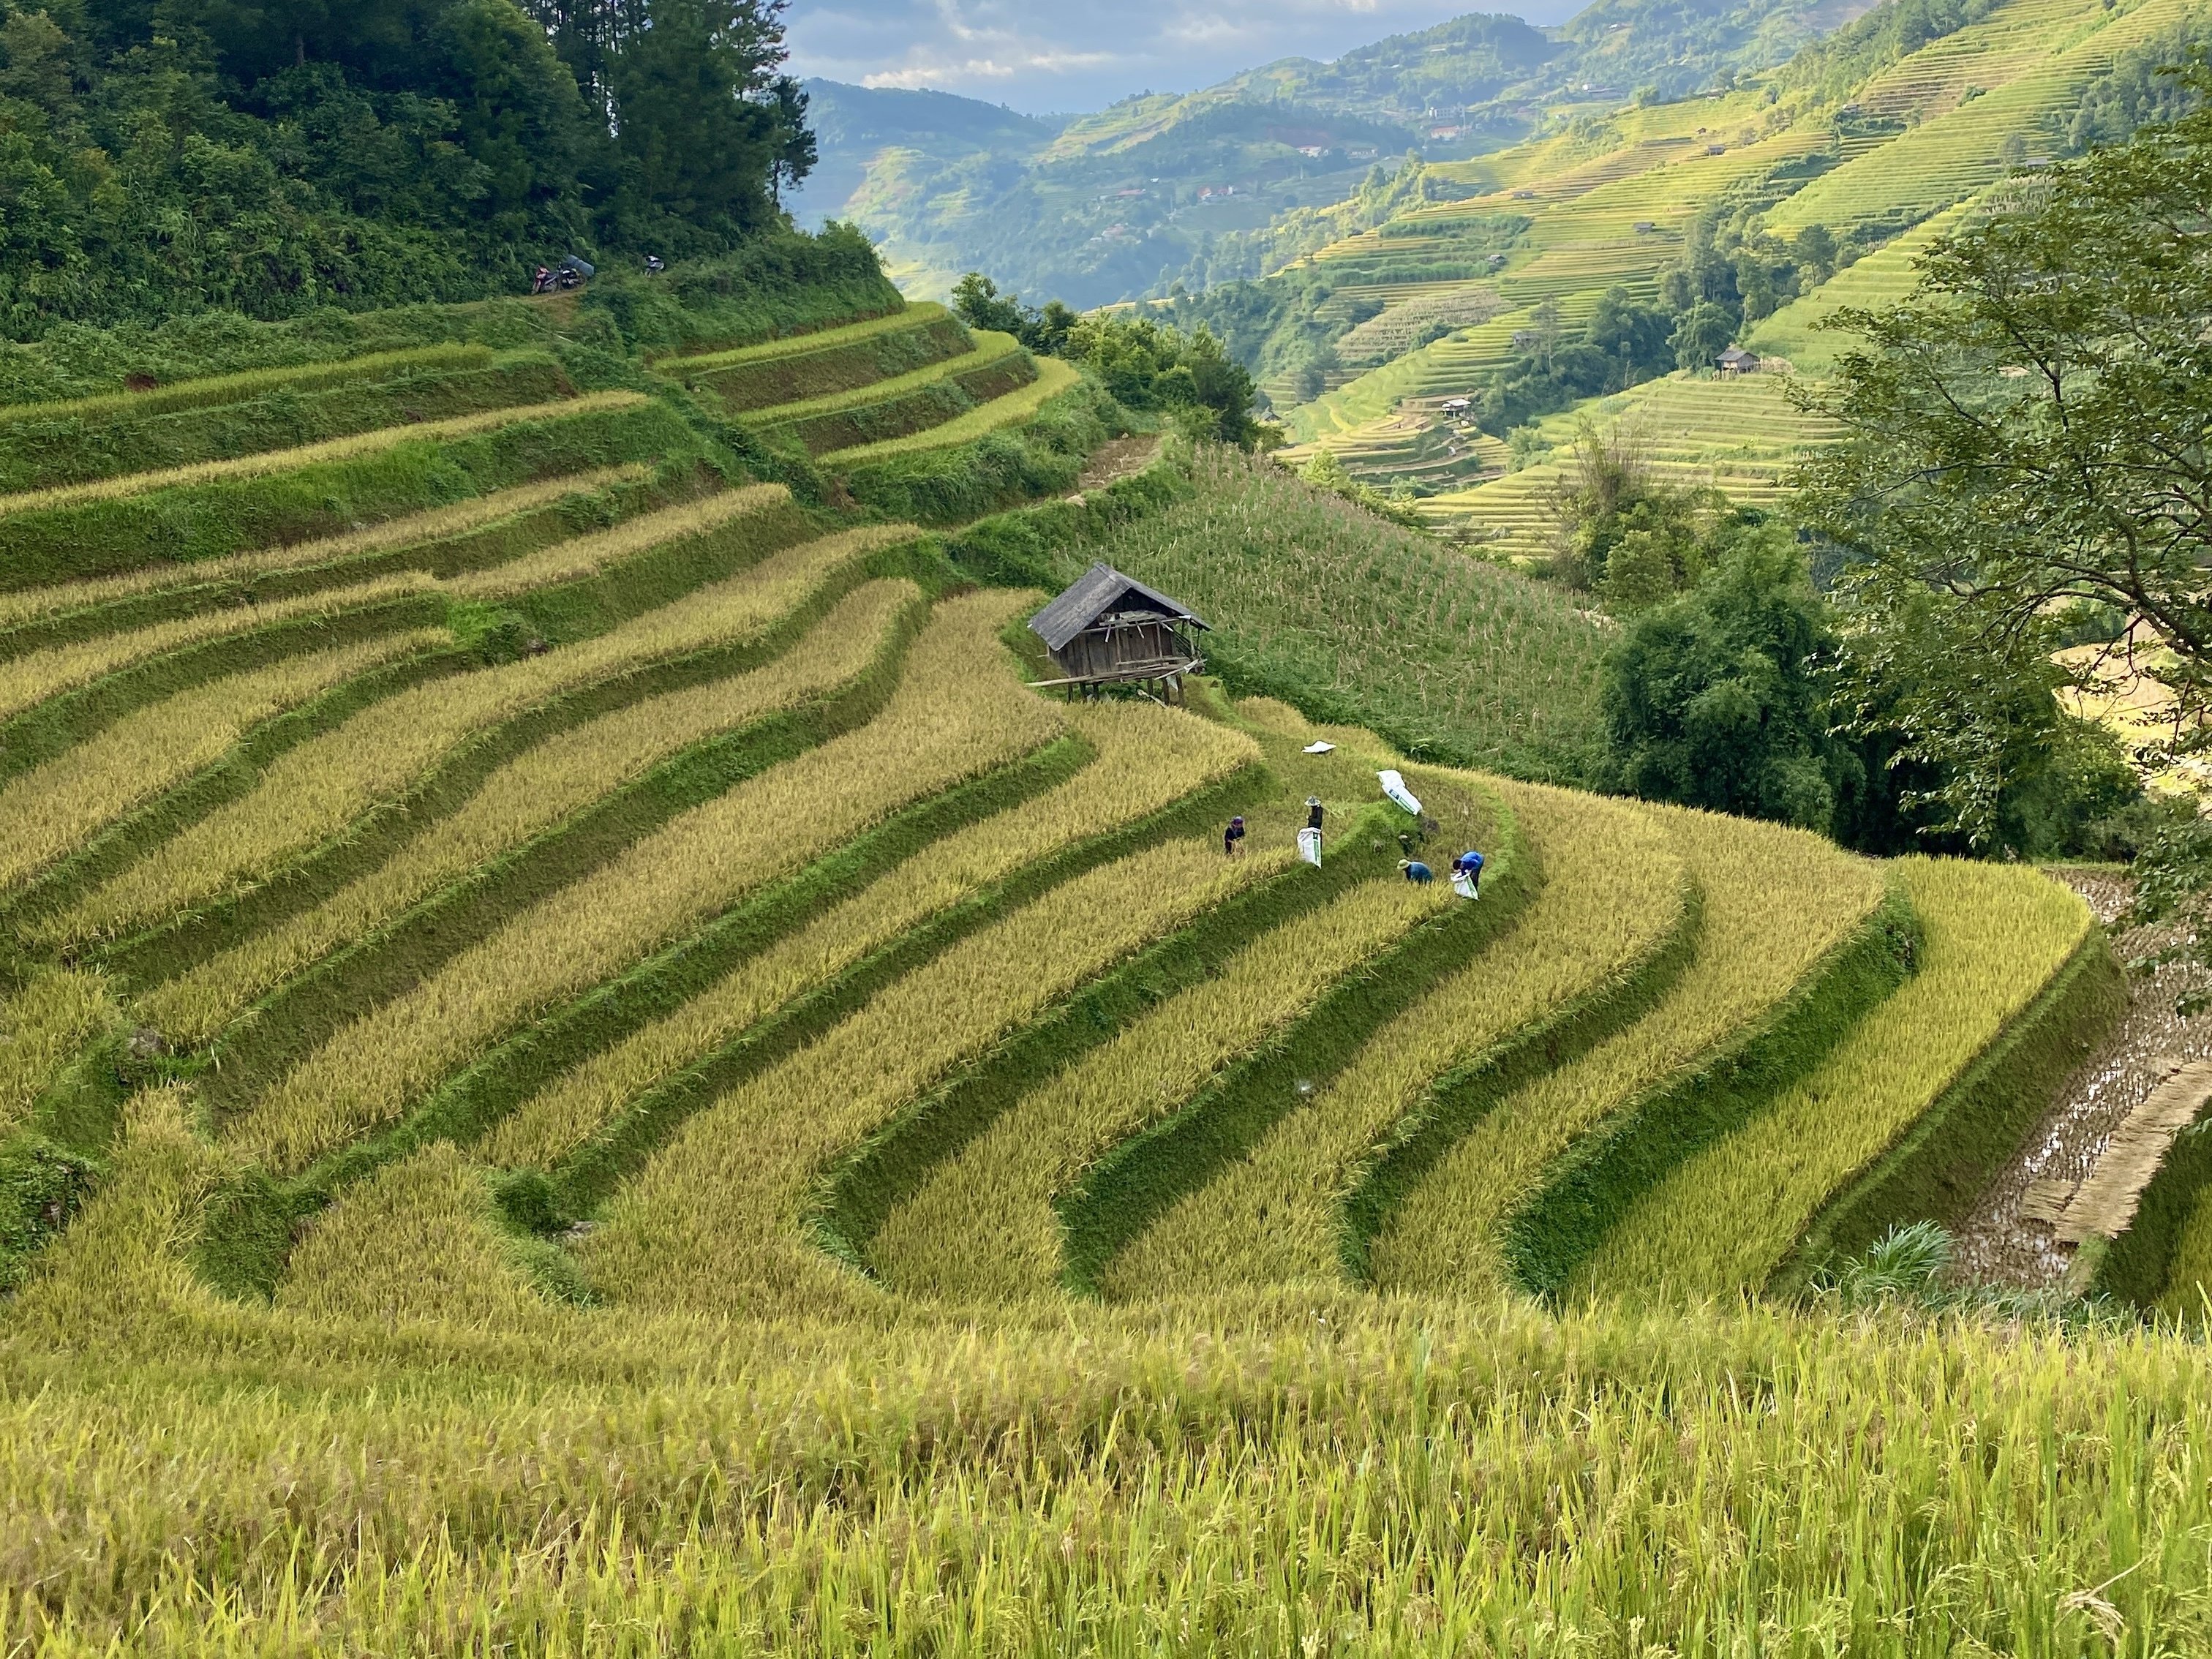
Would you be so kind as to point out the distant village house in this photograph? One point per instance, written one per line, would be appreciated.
(1736, 361)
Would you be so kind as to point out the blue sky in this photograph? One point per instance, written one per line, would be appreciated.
(1048, 55)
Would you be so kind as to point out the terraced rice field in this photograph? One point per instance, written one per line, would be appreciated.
(2013, 40)
(665, 938)
(1422, 452)
(2038, 78)
(1413, 308)
(1879, 279)
(1611, 205)
(649, 980)
(1741, 436)
(1452, 368)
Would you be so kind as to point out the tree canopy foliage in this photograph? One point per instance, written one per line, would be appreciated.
(1716, 698)
(271, 156)
(1146, 363)
(2026, 437)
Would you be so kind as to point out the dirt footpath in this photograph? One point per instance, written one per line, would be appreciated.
(1119, 458)
(1997, 1244)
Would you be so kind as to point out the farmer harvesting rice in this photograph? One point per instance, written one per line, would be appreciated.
(1467, 875)
(1232, 835)
(1416, 870)
(1309, 837)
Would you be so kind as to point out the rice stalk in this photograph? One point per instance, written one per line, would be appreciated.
(34, 604)
(713, 1221)
(42, 1027)
(1146, 759)
(420, 1240)
(47, 812)
(949, 719)
(989, 348)
(528, 797)
(250, 383)
(313, 791)
(1994, 937)
(1613, 892)
(984, 1227)
(36, 675)
(1774, 902)
(580, 556)
(1054, 377)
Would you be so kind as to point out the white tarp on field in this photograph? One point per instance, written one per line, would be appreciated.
(1394, 784)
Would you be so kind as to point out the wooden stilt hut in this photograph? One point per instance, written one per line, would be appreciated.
(1109, 628)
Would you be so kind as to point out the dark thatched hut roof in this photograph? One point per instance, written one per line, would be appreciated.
(1102, 591)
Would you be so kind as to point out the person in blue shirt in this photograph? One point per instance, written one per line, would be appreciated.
(1470, 866)
(1416, 870)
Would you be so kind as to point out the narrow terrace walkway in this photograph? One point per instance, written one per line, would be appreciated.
(2014, 1235)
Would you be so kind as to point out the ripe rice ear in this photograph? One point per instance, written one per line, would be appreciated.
(1147, 758)
(984, 1227)
(35, 604)
(291, 460)
(1993, 937)
(1054, 377)
(714, 1220)
(528, 797)
(313, 791)
(419, 1242)
(30, 679)
(587, 555)
(120, 1265)
(951, 719)
(48, 812)
(1773, 904)
(1613, 892)
(45, 1023)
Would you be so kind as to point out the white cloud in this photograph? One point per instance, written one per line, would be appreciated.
(945, 75)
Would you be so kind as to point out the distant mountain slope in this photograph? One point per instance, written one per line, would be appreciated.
(1111, 205)
(854, 126)
(1762, 210)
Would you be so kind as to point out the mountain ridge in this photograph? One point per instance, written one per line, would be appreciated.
(1116, 203)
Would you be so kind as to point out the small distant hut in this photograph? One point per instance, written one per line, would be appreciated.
(1736, 361)
(1110, 629)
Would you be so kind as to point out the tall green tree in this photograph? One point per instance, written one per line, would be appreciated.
(706, 129)
(270, 156)
(2030, 431)
(1716, 698)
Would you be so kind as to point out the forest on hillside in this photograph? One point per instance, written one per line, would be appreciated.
(272, 156)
